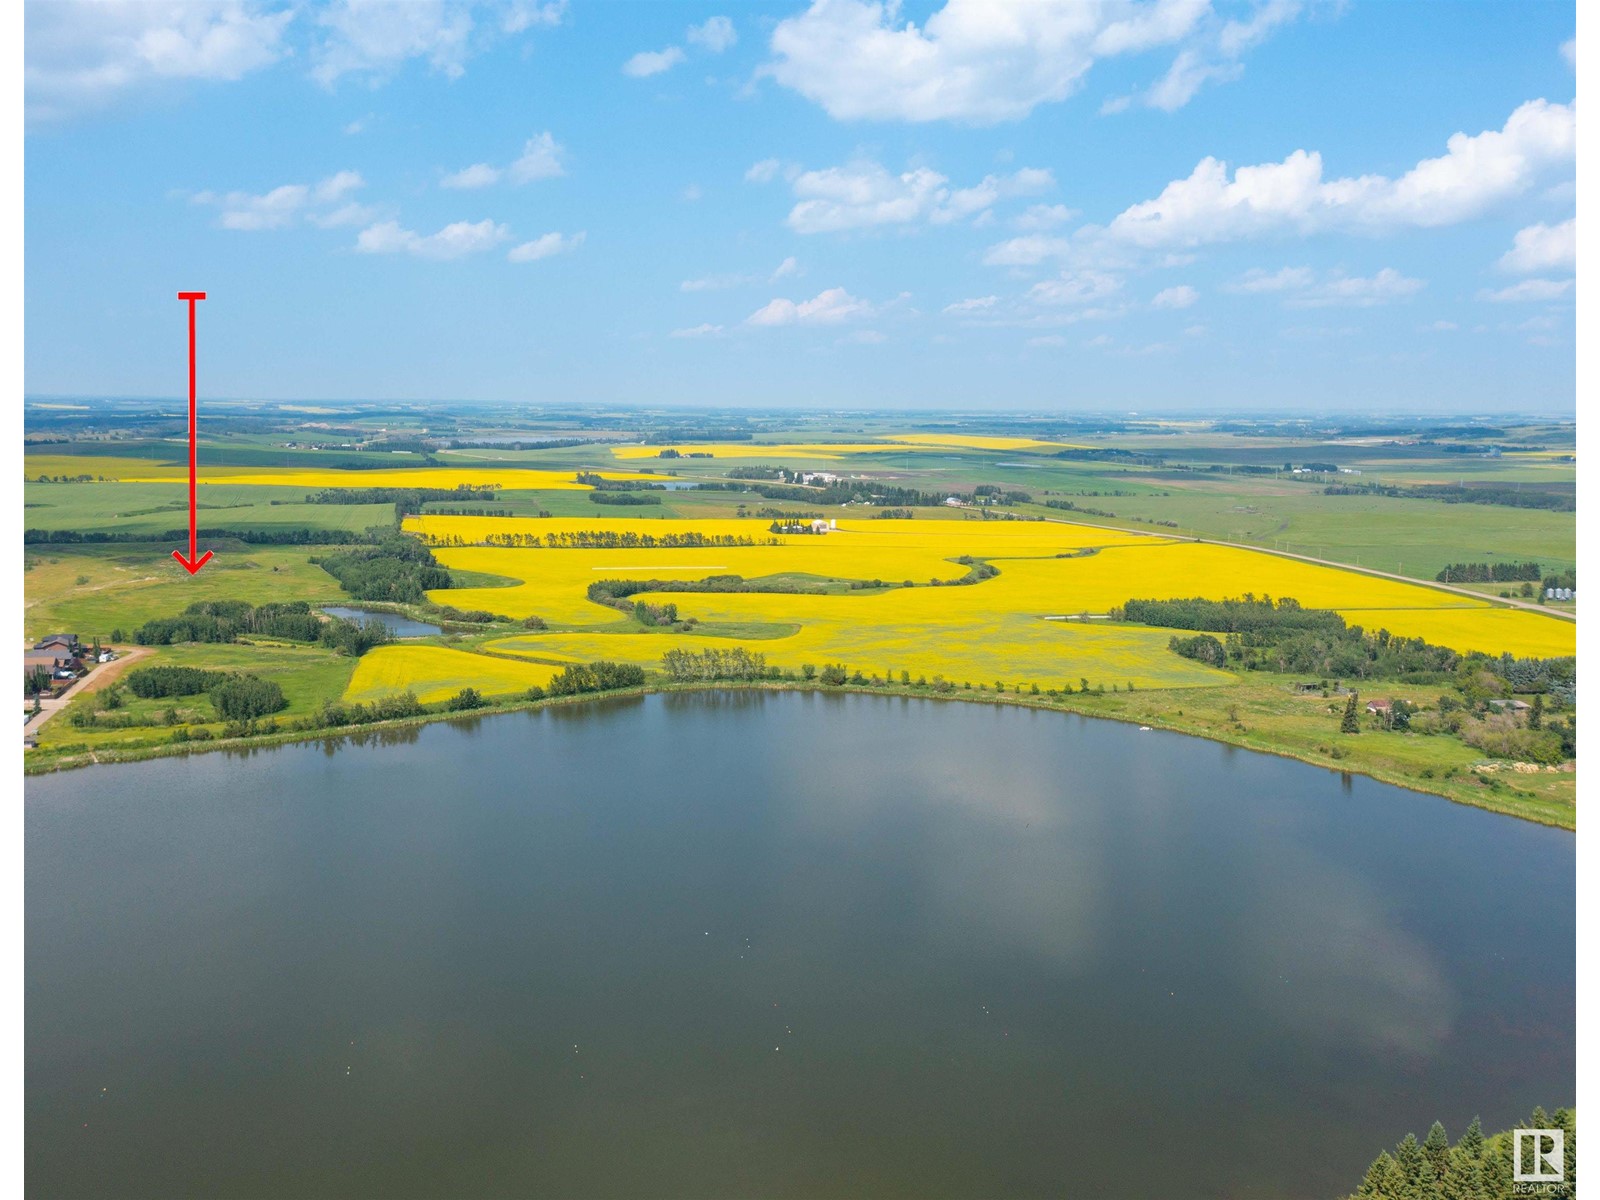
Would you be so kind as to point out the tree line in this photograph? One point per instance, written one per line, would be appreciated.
(1509, 497)
(1489, 572)
(600, 539)
(686, 666)
(229, 620)
(276, 536)
(397, 569)
(624, 498)
(581, 678)
(1475, 1168)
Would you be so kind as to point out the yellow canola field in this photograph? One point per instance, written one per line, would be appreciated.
(438, 672)
(972, 647)
(995, 628)
(891, 444)
(798, 450)
(134, 470)
(973, 441)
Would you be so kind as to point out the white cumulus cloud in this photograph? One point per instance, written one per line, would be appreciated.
(456, 240)
(1292, 196)
(714, 36)
(82, 55)
(863, 194)
(1543, 248)
(1181, 296)
(1302, 288)
(1028, 251)
(376, 37)
(476, 176)
(1213, 57)
(975, 61)
(652, 62)
(544, 246)
(827, 308)
(1529, 290)
(325, 204)
(1357, 291)
(542, 157)
(764, 171)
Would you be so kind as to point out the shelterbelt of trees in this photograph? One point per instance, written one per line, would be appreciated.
(1283, 637)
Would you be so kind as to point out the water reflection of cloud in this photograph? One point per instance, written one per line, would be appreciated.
(1318, 952)
(993, 850)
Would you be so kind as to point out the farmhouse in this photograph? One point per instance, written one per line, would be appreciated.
(58, 664)
(65, 643)
(1381, 707)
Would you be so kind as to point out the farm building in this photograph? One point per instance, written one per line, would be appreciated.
(66, 643)
(59, 665)
(1379, 706)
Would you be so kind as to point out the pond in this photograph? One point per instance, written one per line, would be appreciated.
(774, 944)
(401, 626)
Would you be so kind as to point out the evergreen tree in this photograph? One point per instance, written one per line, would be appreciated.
(1384, 1180)
(1427, 1185)
(1536, 717)
(1437, 1147)
(1464, 1179)
(1350, 723)
(1409, 1157)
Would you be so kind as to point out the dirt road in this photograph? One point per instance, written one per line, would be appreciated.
(1480, 597)
(103, 676)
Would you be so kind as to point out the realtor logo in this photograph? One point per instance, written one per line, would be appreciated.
(1541, 1156)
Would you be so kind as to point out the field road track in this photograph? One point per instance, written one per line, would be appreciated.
(1490, 601)
(102, 676)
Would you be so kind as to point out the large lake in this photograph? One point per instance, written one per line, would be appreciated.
(792, 945)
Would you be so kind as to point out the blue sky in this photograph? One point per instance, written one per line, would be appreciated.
(1156, 205)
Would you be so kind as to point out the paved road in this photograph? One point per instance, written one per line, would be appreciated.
(1480, 597)
(102, 676)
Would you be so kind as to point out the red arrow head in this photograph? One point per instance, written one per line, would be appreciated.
(192, 565)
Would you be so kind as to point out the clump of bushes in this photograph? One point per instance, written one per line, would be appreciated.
(600, 676)
(246, 697)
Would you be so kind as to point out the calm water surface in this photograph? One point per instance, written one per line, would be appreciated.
(400, 626)
(734, 944)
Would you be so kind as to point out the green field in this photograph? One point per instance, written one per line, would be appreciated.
(156, 508)
(125, 585)
(308, 675)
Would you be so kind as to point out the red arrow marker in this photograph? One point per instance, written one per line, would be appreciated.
(192, 563)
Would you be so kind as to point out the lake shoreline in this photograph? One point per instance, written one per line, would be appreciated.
(33, 765)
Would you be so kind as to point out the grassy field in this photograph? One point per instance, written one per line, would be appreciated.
(308, 675)
(156, 508)
(133, 470)
(1409, 537)
(92, 590)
